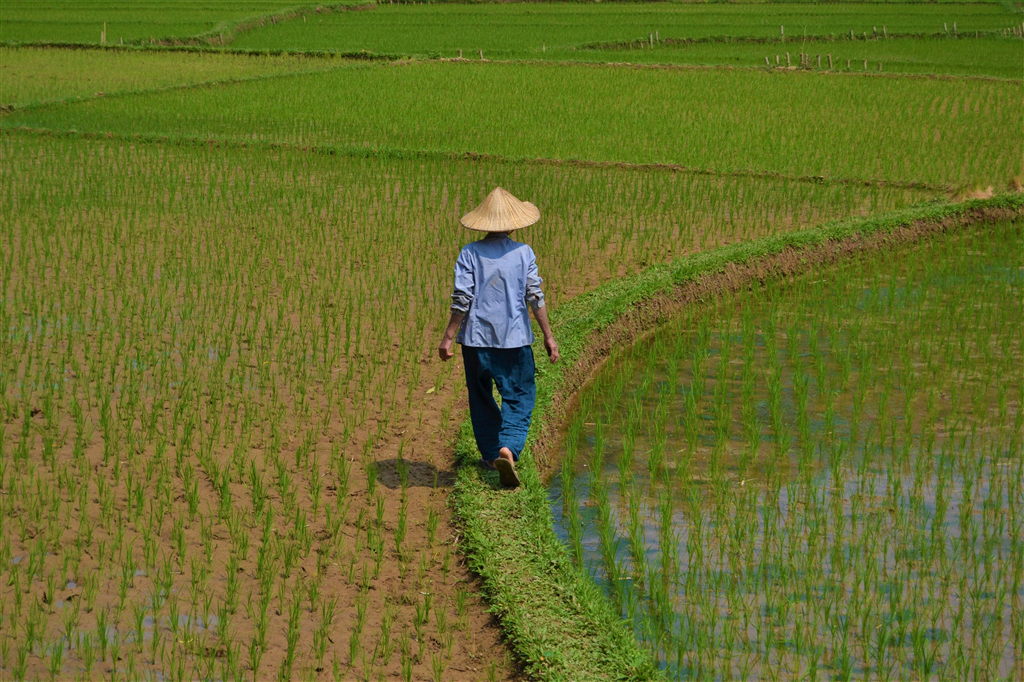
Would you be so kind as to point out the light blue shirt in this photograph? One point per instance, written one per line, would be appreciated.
(495, 280)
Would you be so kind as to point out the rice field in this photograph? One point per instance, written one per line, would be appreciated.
(511, 30)
(818, 479)
(963, 132)
(996, 57)
(225, 439)
(31, 76)
(202, 425)
(84, 21)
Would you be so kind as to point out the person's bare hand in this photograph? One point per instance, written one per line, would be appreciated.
(552, 348)
(444, 351)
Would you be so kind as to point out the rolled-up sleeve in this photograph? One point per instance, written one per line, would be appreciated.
(534, 295)
(462, 294)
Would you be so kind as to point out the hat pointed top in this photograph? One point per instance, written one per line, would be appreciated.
(501, 212)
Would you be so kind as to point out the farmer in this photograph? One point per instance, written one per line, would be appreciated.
(495, 279)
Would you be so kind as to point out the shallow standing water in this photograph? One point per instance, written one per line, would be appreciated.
(823, 478)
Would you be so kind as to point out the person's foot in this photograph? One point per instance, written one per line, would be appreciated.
(505, 464)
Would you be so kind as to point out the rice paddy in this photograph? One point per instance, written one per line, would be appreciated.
(32, 76)
(572, 32)
(963, 132)
(818, 479)
(506, 31)
(194, 392)
(226, 444)
(997, 57)
(87, 21)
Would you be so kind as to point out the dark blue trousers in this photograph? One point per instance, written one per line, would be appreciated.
(512, 371)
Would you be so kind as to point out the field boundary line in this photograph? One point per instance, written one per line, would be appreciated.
(669, 66)
(413, 58)
(398, 153)
(555, 617)
(223, 32)
(231, 80)
(357, 55)
(644, 43)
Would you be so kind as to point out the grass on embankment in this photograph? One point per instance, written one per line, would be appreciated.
(554, 616)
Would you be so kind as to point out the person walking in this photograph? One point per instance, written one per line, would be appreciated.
(496, 280)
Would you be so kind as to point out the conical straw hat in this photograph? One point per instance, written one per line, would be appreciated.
(501, 212)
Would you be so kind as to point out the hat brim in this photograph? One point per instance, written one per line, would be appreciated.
(501, 212)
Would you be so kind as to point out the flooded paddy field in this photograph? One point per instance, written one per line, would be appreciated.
(820, 478)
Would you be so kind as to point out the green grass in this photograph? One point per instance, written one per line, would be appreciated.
(559, 626)
(962, 132)
(505, 31)
(34, 75)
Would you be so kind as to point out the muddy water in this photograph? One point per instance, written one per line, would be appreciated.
(821, 479)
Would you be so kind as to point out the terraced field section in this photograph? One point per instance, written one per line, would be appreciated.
(819, 478)
(85, 21)
(35, 76)
(906, 37)
(963, 132)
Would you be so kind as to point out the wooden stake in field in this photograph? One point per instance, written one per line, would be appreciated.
(460, 54)
(788, 63)
(819, 61)
(481, 54)
(830, 62)
(103, 34)
(847, 64)
(879, 67)
(767, 62)
(782, 32)
(865, 65)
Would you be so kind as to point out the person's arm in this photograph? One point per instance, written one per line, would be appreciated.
(462, 299)
(454, 323)
(541, 314)
(535, 299)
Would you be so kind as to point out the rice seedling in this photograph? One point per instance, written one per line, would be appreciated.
(388, 108)
(571, 31)
(802, 540)
(85, 22)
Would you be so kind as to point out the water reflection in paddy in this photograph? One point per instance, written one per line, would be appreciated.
(820, 479)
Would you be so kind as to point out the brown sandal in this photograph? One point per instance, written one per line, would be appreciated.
(507, 473)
